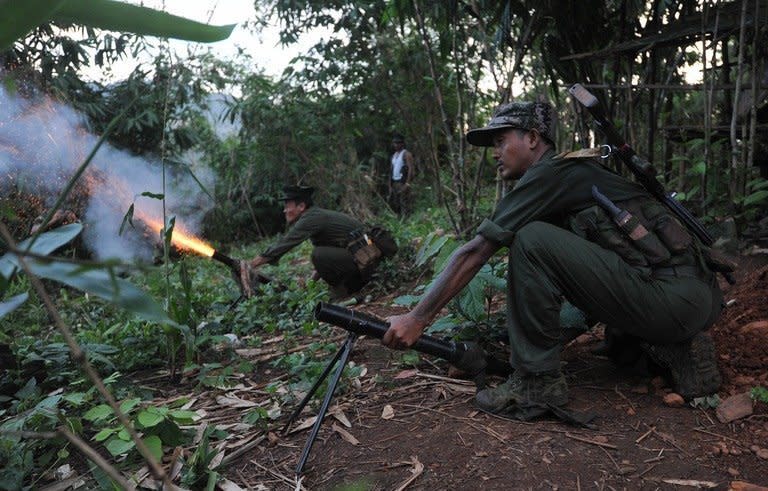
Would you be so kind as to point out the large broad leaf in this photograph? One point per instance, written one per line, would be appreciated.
(432, 245)
(148, 418)
(18, 18)
(155, 446)
(43, 245)
(471, 300)
(12, 304)
(104, 284)
(117, 446)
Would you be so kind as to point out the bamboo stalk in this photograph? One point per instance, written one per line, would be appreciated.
(753, 110)
(735, 150)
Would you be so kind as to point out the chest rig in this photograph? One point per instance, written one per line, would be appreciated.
(641, 230)
(664, 241)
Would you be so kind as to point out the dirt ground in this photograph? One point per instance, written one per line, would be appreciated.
(418, 429)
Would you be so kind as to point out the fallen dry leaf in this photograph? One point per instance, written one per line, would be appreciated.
(337, 413)
(345, 435)
(690, 482)
(388, 412)
(307, 423)
(416, 471)
(233, 401)
(406, 374)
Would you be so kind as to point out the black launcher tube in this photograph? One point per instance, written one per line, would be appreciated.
(365, 324)
(223, 258)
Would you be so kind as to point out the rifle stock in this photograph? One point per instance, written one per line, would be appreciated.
(643, 170)
(466, 356)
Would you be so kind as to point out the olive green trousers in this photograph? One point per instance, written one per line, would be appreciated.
(548, 264)
(336, 266)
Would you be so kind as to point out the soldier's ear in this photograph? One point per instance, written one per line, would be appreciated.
(534, 138)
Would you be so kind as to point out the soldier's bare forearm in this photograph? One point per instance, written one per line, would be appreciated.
(462, 266)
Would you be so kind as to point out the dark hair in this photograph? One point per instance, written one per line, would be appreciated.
(398, 138)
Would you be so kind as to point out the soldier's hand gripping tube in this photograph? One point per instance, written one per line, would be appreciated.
(463, 355)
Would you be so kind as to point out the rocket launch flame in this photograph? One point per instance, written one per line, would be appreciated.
(182, 239)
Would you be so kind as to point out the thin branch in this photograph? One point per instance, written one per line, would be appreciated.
(79, 357)
(97, 459)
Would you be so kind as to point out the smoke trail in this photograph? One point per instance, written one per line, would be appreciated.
(43, 142)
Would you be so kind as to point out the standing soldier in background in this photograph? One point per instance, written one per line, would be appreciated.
(564, 224)
(401, 174)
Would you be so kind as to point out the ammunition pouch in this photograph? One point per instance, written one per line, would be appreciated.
(666, 243)
(384, 241)
(364, 252)
(368, 249)
(718, 261)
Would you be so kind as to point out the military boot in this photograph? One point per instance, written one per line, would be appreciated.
(692, 365)
(541, 388)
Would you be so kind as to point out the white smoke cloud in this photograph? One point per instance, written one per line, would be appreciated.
(43, 142)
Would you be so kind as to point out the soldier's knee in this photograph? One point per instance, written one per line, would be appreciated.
(535, 235)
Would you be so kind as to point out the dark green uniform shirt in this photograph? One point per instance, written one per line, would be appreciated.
(322, 227)
(551, 190)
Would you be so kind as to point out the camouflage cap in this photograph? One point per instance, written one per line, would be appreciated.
(524, 115)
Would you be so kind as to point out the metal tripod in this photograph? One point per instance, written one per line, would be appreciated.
(342, 356)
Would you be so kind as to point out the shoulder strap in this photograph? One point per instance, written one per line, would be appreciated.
(582, 153)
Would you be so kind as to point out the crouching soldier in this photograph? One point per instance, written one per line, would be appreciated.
(564, 245)
(344, 254)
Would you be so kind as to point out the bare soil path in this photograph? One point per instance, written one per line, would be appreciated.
(417, 429)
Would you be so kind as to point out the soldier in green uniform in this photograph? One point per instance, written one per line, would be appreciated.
(649, 282)
(330, 233)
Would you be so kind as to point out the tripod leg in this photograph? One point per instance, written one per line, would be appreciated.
(314, 388)
(345, 352)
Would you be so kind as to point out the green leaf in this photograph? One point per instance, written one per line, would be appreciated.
(44, 244)
(104, 434)
(118, 16)
(159, 196)
(407, 300)
(75, 398)
(446, 323)
(12, 304)
(97, 413)
(471, 300)
(155, 446)
(431, 247)
(123, 434)
(127, 405)
(183, 417)
(148, 418)
(127, 218)
(752, 199)
(116, 446)
(21, 17)
(104, 284)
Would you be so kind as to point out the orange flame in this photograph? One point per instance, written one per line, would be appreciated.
(182, 239)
